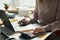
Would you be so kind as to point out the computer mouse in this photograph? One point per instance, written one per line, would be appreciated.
(24, 36)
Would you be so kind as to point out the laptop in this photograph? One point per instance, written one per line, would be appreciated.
(7, 29)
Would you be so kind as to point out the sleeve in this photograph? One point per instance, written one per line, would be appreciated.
(52, 26)
(55, 24)
(36, 11)
(34, 20)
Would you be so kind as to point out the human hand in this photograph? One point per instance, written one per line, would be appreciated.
(37, 30)
(23, 22)
(33, 21)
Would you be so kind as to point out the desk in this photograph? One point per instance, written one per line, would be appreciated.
(30, 26)
(42, 37)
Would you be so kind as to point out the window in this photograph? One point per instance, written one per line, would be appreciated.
(17, 3)
(2, 3)
(27, 3)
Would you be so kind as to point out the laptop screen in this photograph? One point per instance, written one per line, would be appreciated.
(5, 20)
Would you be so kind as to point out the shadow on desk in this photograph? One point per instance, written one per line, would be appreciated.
(54, 36)
(57, 33)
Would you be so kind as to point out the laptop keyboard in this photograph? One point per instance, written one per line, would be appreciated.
(6, 31)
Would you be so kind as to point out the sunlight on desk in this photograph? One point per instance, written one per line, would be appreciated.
(11, 20)
(42, 37)
(45, 36)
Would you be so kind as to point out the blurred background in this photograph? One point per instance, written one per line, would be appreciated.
(22, 7)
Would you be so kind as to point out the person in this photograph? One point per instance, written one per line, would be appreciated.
(46, 12)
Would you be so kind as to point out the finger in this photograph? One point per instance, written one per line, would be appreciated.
(35, 31)
(19, 22)
(41, 30)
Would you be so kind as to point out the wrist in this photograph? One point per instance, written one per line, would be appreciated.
(33, 21)
(47, 30)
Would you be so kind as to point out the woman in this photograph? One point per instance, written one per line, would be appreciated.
(46, 12)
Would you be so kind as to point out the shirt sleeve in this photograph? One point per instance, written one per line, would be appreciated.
(55, 24)
(34, 20)
(36, 11)
(52, 26)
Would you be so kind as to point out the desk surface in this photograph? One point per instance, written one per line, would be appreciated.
(28, 27)
(42, 37)
(16, 27)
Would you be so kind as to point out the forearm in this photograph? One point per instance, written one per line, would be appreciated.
(52, 26)
(33, 21)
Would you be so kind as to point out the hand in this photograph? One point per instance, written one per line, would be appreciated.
(39, 30)
(33, 21)
(23, 22)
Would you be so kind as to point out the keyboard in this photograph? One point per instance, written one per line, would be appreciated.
(7, 31)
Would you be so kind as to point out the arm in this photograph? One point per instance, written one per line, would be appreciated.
(53, 26)
(35, 14)
(48, 27)
(34, 20)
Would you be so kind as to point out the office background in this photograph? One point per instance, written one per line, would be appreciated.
(13, 4)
